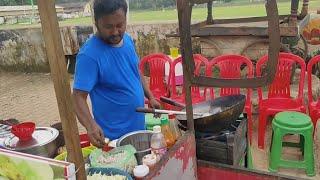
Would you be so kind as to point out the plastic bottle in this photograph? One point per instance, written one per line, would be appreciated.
(174, 126)
(168, 135)
(158, 143)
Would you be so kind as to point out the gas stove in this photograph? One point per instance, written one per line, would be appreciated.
(229, 146)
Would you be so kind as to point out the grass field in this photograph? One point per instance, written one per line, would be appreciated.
(220, 12)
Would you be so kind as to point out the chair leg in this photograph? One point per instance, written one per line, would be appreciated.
(276, 150)
(309, 155)
(262, 129)
(250, 124)
(314, 117)
(301, 144)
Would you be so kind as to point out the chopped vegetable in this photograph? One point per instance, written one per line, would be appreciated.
(105, 177)
(121, 157)
(110, 159)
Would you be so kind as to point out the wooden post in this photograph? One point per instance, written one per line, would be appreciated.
(92, 17)
(305, 8)
(210, 16)
(294, 13)
(184, 15)
(55, 54)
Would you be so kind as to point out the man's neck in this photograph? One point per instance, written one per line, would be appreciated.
(119, 44)
(113, 45)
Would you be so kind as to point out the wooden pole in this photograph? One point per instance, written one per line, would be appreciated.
(92, 17)
(184, 15)
(209, 17)
(294, 13)
(55, 54)
(305, 8)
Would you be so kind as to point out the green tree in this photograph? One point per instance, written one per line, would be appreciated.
(151, 4)
(10, 2)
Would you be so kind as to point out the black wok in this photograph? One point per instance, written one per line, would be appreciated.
(218, 114)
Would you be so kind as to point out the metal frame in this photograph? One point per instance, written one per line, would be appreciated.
(184, 14)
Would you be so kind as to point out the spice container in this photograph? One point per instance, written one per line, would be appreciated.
(140, 171)
(150, 160)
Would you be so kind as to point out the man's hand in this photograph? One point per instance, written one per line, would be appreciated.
(95, 133)
(96, 136)
(155, 104)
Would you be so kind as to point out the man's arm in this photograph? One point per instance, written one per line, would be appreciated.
(95, 133)
(148, 94)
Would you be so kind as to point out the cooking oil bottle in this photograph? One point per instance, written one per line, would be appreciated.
(168, 135)
(174, 126)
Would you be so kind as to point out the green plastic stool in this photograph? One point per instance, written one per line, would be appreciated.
(292, 123)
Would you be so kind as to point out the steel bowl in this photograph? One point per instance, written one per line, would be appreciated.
(140, 140)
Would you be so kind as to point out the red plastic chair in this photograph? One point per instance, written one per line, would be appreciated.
(158, 83)
(195, 90)
(314, 106)
(230, 67)
(279, 97)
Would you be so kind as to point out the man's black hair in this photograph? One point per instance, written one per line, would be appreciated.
(107, 7)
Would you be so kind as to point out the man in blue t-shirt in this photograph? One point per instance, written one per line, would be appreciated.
(107, 70)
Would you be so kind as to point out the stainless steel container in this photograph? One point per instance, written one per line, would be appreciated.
(41, 144)
(140, 140)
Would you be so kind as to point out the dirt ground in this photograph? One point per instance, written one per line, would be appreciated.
(261, 157)
(31, 97)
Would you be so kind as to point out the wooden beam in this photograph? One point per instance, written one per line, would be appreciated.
(242, 31)
(241, 83)
(285, 31)
(245, 20)
(60, 77)
(203, 29)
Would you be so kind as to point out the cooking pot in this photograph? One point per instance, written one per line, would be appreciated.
(42, 142)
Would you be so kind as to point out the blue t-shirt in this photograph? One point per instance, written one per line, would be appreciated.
(111, 77)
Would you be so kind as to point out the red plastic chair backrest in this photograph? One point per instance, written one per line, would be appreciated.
(199, 61)
(280, 87)
(230, 67)
(311, 63)
(156, 64)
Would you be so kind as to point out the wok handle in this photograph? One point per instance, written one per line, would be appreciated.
(172, 102)
(145, 110)
(161, 111)
(157, 111)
